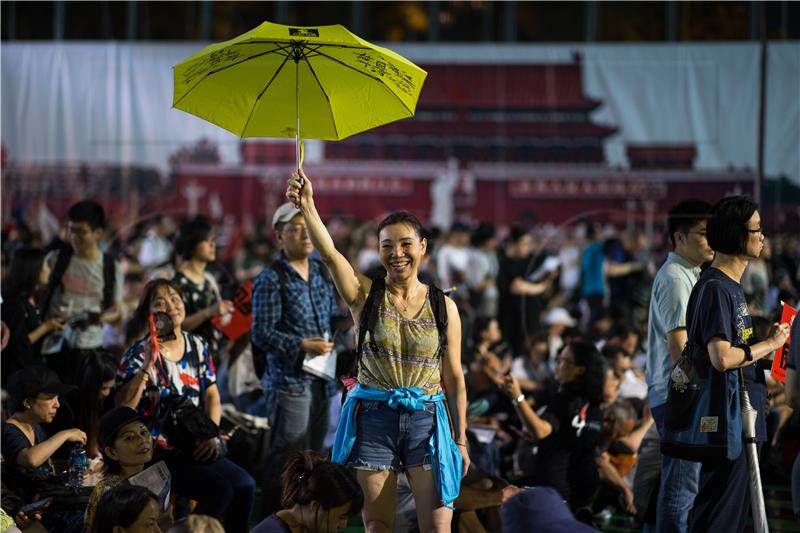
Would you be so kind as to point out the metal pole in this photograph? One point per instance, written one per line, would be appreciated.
(58, 21)
(762, 97)
(133, 20)
(671, 30)
(749, 415)
(509, 21)
(433, 20)
(297, 108)
(590, 21)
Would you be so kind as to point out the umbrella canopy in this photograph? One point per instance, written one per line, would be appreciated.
(273, 79)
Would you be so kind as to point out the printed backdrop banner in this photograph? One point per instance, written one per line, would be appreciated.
(110, 102)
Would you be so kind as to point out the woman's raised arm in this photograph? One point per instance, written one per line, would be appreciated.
(353, 287)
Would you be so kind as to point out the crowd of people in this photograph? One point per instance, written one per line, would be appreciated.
(474, 377)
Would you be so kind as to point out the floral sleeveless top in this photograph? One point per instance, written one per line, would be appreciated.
(403, 352)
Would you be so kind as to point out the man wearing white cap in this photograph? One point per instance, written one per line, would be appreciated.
(294, 304)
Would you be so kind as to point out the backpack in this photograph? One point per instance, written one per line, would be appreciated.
(369, 315)
(62, 263)
(259, 355)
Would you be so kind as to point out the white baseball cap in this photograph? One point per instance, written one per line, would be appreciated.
(284, 214)
(559, 316)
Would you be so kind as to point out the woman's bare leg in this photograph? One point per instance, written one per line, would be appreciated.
(379, 499)
(433, 517)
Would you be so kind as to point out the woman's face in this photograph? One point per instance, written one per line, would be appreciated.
(755, 237)
(566, 369)
(105, 389)
(167, 300)
(333, 520)
(206, 250)
(401, 251)
(133, 446)
(492, 332)
(43, 407)
(146, 522)
(610, 386)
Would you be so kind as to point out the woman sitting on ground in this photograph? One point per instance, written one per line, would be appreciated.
(318, 496)
(127, 446)
(26, 449)
(127, 509)
(183, 366)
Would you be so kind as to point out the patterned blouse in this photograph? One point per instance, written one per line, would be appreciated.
(403, 352)
(196, 298)
(190, 377)
(105, 484)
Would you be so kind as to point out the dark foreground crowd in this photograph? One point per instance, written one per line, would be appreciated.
(223, 359)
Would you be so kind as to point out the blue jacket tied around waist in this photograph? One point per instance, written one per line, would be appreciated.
(445, 455)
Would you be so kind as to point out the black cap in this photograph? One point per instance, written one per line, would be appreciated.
(31, 381)
(113, 421)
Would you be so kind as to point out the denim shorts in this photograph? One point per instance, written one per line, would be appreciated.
(389, 439)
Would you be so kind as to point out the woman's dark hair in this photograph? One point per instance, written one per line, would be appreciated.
(141, 316)
(590, 383)
(402, 217)
(727, 227)
(192, 232)
(97, 367)
(120, 506)
(88, 211)
(684, 215)
(23, 273)
(516, 233)
(480, 325)
(309, 477)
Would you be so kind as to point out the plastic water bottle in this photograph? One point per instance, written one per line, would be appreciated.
(77, 466)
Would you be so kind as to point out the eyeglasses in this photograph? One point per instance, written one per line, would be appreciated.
(296, 230)
(757, 230)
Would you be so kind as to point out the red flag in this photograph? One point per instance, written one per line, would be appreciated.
(779, 359)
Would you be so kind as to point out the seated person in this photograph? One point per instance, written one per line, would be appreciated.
(317, 496)
(126, 508)
(532, 371)
(34, 394)
(127, 446)
(617, 452)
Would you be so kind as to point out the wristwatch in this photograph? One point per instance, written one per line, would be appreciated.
(748, 356)
(519, 399)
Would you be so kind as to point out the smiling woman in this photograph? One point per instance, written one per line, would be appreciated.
(410, 352)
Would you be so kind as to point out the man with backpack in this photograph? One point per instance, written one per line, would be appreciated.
(294, 307)
(85, 289)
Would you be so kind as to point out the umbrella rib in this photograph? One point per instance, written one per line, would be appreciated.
(411, 113)
(210, 72)
(330, 108)
(320, 44)
(258, 98)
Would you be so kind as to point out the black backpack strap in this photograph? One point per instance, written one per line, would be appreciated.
(56, 275)
(369, 315)
(109, 281)
(259, 356)
(436, 297)
(277, 266)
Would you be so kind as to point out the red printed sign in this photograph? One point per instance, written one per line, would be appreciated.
(241, 319)
(779, 359)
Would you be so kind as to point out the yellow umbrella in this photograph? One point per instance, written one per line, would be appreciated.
(262, 82)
